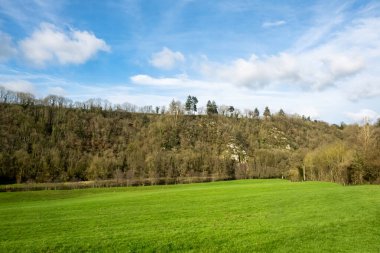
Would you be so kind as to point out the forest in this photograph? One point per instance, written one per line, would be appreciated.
(57, 140)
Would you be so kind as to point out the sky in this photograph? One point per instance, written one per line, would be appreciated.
(314, 58)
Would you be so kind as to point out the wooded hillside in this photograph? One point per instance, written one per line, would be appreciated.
(56, 140)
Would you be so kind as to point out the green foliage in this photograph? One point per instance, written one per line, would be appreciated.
(234, 216)
(330, 163)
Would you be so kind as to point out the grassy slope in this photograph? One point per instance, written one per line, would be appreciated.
(246, 215)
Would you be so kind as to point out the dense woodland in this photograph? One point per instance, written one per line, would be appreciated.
(57, 140)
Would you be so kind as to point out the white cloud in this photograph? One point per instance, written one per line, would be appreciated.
(18, 86)
(148, 80)
(139, 99)
(166, 59)
(269, 24)
(315, 69)
(362, 86)
(308, 111)
(353, 52)
(363, 116)
(56, 90)
(178, 82)
(49, 44)
(7, 49)
(119, 94)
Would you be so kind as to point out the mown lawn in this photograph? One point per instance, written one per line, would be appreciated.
(234, 216)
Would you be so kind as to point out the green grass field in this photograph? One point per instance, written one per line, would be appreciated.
(234, 216)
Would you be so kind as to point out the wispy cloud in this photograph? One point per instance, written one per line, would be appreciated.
(328, 17)
(28, 13)
(269, 24)
(237, 5)
(7, 49)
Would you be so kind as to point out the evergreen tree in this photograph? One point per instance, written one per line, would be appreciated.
(191, 104)
(211, 108)
(188, 104)
(194, 104)
(214, 107)
(266, 112)
(256, 113)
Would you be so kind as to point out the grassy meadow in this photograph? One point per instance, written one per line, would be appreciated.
(233, 216)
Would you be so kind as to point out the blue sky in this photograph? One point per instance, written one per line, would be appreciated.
(313, 58)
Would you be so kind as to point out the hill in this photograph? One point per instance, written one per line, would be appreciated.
(54, 140)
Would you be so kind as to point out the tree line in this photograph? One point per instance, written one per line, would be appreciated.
(57, 140)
